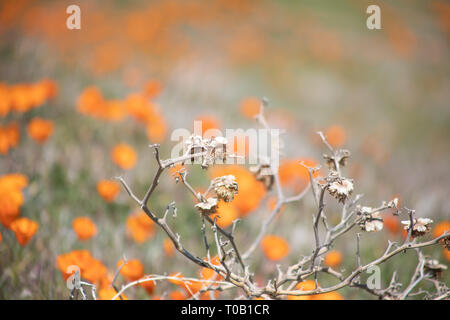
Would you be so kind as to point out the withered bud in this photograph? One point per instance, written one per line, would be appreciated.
(421, 226)
(342, 155)
(370, 221)
(263, 173)
(435, 267)
(207, 207)
(225, 187)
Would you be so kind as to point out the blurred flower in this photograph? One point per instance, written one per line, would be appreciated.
(108, 189)
(177, 295)
(250, 107)
(207, 207)
(251, 191)
(336, 136)
(439, 230)
(225, 215)
(91, 269)
(294, 175)
(149, 286)
(391, 223)
(40, 129)
(420, 226)
(156, 129)
(84, 228)
(333, 295)
(1, 238)
(24, 229)
(124, 156)
(11, 197)
(109, 293)
(140, 108)
(225, 187)
(152, 88)
(306, 285)
(275, 248)
(333, 258)
(208, 123)
(169, 248)
(209, 274)
(132, 270)
(140, 226)
(9, 137)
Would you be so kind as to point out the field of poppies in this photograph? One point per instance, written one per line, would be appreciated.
(94, 204)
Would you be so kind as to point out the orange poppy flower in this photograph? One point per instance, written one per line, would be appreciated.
(333, 258)
(140, 227)
(293, 174)
(225, 215)
(336, 136)
(440, 228)
(208, 123)
(250, 107)
(306, 285)
(251, 191)
(169, 248)
(108, 189)
(40, 129)
(91, 269)
(84, 228)
(177, 295)
(124, 156)
(152, 89)
(275, 248)
(9, 137)
(11, 197)
(132, 270)
(109, 293)
(391, 223)
(24, 229)
(149, 286)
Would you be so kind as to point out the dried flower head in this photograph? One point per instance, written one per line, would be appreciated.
(433, 266)
(342, 155)
(340, 188)
(207, 207)
(370, 221)
(263, 173)
(420, 226)
(225, 187)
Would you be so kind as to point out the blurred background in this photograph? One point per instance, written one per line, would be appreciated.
(383, 94)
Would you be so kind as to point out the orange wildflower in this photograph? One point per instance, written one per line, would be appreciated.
(333, 258)
(306, 285)
(336, 136)
(140, 108)
(156, 129)
(169, 248)
(275, 248)
(9, 137)
(124, 156)
(293, 174)
(177, 295)
(149, 286)
(132, 270)
(207, 295)
(208, 123)
(108, 189)
(11, 197)
(90, 100)
(226, 213)
(140, 226)
(251, 191)
(84, 228)
(440, 228)
(446, 253)
(91, 269)
(391, 223)
(209, 274)
(174, 171)
(109, 293)
(250, 107)
(24, 229)
(152, 89)
(40, 129)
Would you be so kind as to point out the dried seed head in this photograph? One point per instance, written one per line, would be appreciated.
(370, 221)
(225, 187)
(420, 226)
(263, 173)
(340, 188)
(207, 207)
(342, 155)
(435, 267)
